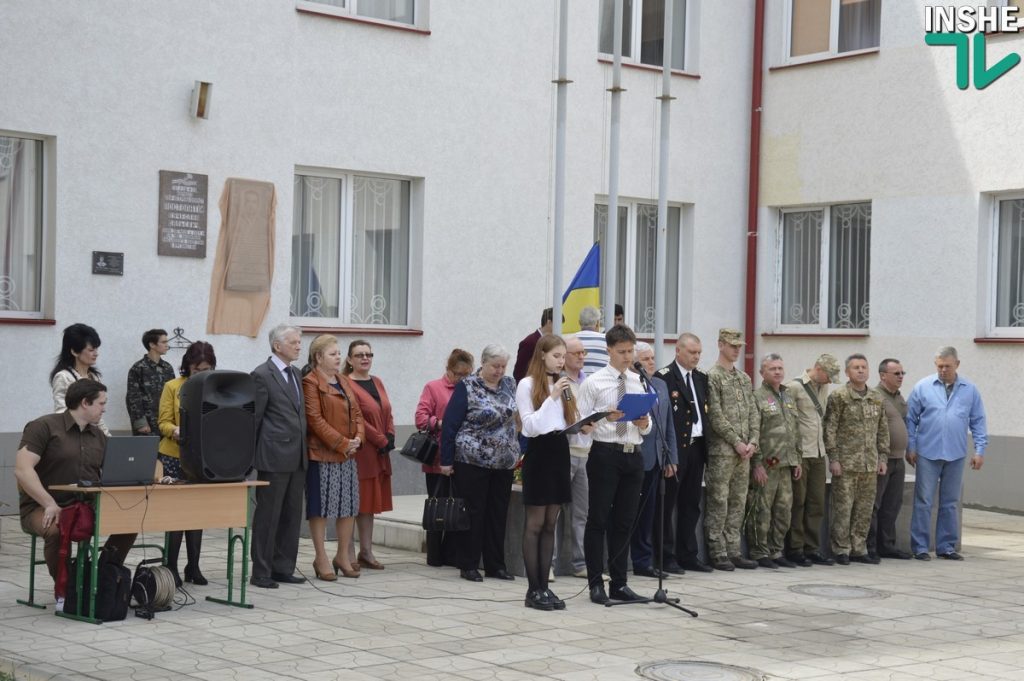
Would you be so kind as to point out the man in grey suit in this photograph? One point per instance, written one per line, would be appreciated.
(280, 460)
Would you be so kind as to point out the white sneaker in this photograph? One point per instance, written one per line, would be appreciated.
(59, 607)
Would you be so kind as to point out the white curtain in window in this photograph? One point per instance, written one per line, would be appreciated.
(605, 42)
(400, 11)
(646, 257)
(1010, 264)
(849, 266)
(859, 22)
(801, 267)
(316, 246)
(21, 225)
(380, 250)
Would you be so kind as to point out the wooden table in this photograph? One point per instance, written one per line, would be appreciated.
(168, 508)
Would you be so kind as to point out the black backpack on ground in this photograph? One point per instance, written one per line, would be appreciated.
(113, 592)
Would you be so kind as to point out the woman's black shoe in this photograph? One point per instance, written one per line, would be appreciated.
(555, 601)
(471, 575)
(192, 574)
(177, 577)
(500, 574)
(536, 599)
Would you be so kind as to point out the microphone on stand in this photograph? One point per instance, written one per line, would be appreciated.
(643, 374)
(567, 393)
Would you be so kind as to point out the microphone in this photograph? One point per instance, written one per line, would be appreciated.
(643, 374)
(567, 393)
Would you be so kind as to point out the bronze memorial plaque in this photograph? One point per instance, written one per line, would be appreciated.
(181, 217)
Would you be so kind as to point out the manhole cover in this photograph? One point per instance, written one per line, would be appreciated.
(691, 670)
(837, 592)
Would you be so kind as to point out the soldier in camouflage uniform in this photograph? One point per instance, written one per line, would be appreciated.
(857, 442)
(734, 423)
(146, 381)
(776, 463)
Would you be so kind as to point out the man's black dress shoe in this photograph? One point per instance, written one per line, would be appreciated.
(866, 558)
(471, 575)
(598, 595)
(263, 582)
(649, 571)
(842, 559)
(287, 579)
(782, 561)
(697, 566)
(623, 593)
(819, 559)
(952, 555)
(922, 556)
(899, 555)
(673, 569)
(500, 574)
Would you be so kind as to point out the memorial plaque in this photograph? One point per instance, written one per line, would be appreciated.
(181, 217)
(104, 262)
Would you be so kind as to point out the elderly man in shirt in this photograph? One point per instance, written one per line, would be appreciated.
(579, 448)
(941, 409)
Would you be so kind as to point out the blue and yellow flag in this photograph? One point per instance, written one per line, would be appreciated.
(583, 291)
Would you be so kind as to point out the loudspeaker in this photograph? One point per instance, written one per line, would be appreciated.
(218, 426)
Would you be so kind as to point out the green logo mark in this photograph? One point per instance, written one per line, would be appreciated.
(983, 75)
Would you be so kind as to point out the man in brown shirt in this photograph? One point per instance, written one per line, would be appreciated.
(59, 449)
(889, 494)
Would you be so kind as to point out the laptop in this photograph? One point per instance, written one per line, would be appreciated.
(129, 460)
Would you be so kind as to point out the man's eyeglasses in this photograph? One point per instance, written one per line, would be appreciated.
(363, 355)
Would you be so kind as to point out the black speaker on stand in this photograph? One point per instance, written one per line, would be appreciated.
(218, 426)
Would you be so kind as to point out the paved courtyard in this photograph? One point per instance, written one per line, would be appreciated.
(935, 620)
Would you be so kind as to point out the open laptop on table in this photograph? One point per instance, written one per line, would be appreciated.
(128, 460)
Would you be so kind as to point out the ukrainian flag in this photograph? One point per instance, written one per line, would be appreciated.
(584, 290)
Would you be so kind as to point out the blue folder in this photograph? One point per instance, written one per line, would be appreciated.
(636, 405)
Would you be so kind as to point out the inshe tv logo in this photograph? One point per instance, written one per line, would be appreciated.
(952, 25)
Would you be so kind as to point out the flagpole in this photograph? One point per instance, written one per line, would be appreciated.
(612, 243)
(562, 84)
(661, 255)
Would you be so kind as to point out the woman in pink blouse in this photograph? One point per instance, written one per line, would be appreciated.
(429, 412)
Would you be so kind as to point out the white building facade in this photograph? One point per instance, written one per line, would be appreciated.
(411, 143)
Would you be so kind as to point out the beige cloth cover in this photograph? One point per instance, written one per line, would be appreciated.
(244, 267)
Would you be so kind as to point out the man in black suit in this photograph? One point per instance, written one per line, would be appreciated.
(280, 460)
(688, 390)
(526, 346)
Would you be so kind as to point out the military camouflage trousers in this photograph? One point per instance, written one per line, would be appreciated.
(853, 498)
(726, 479)
(769, 512)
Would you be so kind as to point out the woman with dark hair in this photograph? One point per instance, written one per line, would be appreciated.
(198, 357)
(544, 413)
(429, 416)
(372, 459)
(335, 432)
(79, 351)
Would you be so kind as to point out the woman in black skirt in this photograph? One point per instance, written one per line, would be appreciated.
(544, 413)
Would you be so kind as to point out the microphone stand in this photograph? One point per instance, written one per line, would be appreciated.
(661, 595)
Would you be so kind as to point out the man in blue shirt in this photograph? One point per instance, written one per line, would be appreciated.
(940, 411)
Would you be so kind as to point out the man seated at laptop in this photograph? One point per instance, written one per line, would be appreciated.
(60, 449)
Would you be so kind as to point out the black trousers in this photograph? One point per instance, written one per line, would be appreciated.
(440, 545)
(682, 499)
(888, 501)
(487, 492)
(276, 522)
(615, 479)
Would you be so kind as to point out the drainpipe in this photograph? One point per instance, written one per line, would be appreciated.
(753, 186)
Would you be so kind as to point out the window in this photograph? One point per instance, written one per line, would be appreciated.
(405, 12)
(643, 26)
(21, 226)
(1009, 264)
(829, 27)
(350, 249)
(818, 263)
(635, 266)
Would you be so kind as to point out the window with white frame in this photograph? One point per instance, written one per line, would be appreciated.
(635, 262)
(405, 12)
(820, 28)
(1009, 264)
(21, 226)
(825, 255)
(350, 249)
(643, 31)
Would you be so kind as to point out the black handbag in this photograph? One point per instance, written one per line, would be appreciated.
(112, 594)
(445, 514)
(420, 447)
